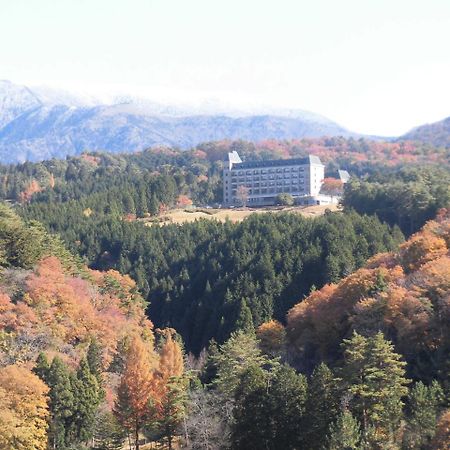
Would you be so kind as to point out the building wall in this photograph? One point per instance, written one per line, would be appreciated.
(265, 183)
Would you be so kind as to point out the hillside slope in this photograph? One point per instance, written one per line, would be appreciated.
(437, 133)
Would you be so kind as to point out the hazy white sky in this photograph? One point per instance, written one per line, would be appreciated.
(374, 66)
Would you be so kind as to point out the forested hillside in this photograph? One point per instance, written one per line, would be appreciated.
(437, 133)
(208, 279)
(74, 345)
(362, 363)
(196, 172)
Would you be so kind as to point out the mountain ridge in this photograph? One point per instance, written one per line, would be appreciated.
(35, 125)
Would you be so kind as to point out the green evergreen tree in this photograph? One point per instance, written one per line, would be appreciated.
(375, 376)
(108, 434)
(287, 398)
(345, 433)
(42, 367)
(244, 320)
(322, 406)
(95, 364)
(424, 403)
(87, 400)
(251, 428)
(62, 403)
(94, 359)
(235, 356)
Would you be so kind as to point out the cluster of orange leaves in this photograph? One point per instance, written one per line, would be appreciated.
(72, 310)
(183, 201)
(405, 294)
(329, 149)
(145, 380)
(32, 188)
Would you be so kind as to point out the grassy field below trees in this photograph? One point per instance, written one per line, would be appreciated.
(179, 216)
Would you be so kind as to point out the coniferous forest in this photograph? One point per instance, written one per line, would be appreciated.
(277, 332)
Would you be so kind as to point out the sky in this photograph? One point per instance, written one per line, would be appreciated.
(374, 66)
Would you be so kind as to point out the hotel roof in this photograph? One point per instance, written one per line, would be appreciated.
(311, 159)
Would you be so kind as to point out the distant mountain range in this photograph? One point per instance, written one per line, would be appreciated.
(37, 123)
(42, 123)
(437, 133)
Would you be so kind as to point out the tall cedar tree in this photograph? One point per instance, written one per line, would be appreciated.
(87, 399)
(287, 397)
(62, 403)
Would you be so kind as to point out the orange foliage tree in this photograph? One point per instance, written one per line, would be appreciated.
(32, 188)
(23, 409)
(133, 407)
(332, 187)
(183, 201)
(272, 337)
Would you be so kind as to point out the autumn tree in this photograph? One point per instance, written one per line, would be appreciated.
(134, 395)
(23, 409)
(172, 391)
(242, 193)
(272, 338)
(332, 187)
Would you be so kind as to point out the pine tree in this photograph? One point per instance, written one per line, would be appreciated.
(251, 428)
(235, 356)
(345, 434)
(423, 408)
(95, 363)
(322, 406)
(109, 434)
(287, 397)
(375, 376)
(94, 359)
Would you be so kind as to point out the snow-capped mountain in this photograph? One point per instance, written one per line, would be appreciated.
(39, 123)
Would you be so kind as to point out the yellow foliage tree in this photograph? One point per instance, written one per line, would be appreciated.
(23, 410)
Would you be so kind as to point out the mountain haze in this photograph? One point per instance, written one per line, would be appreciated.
(39, 123)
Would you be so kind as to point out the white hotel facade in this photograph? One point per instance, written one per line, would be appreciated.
(264, 180)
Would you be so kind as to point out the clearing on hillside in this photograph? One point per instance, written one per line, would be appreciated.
(179, 216)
